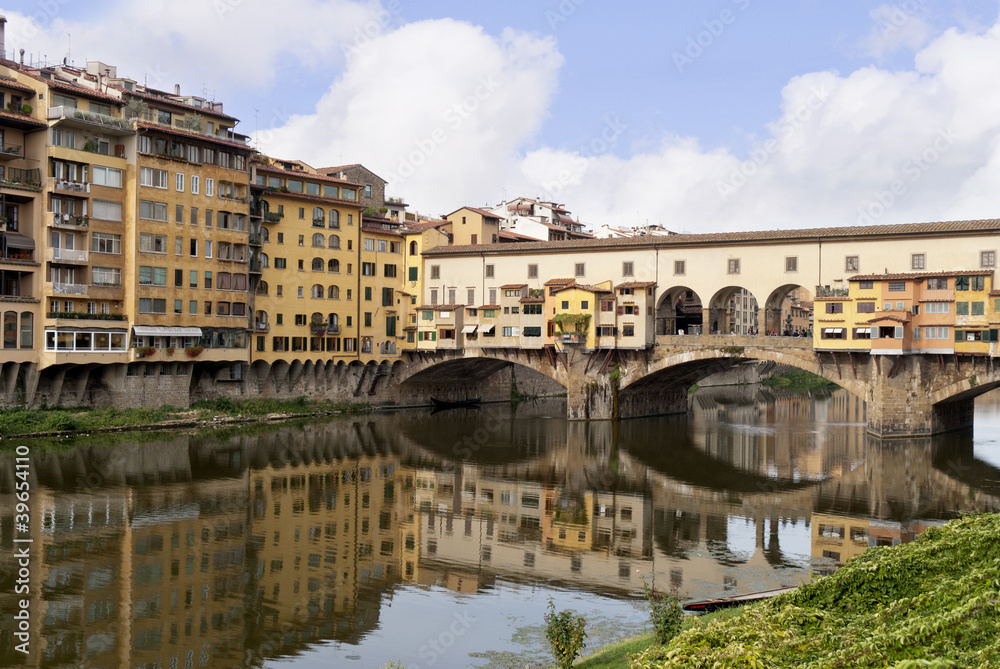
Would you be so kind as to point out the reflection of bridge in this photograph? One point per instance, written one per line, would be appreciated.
(907, 395)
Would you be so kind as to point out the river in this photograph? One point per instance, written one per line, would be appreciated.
(437, 540)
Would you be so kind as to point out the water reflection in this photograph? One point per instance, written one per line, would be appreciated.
(230, 548)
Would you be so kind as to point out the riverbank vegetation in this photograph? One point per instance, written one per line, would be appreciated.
(28, 422)
(929, 603)
(799, 380)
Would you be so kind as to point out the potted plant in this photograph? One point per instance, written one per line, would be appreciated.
(194, 351)
(170, 350)
(146, 351)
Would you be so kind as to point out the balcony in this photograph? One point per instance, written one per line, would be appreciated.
(272, 217)
(333, 329)
(25, 179)
(571, 337)
(68, 255)
(67, 222)
(84, 316)
(71, 187)
(88, 120)
(11, 151)
(69, 288)
(255, 239)
(261, 327)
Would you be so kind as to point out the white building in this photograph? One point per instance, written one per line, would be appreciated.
(544, 221)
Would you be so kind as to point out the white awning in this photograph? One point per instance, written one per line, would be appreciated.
(862, 331)
(163, 331)
(487, 329)
(469, 329)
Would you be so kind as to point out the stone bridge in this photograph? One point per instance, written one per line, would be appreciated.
(914, 395)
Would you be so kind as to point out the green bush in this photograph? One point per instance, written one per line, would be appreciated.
(666, 613)
(565, 633)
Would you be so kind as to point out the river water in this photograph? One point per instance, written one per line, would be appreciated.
(437, 540)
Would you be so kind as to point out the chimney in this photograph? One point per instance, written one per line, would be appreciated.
(3, 52)
(177, 89)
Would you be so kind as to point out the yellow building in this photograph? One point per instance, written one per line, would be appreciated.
(417, 236)
(190, 232)
(306, 303)
(471, 226)
(379, 307)
(572, 313)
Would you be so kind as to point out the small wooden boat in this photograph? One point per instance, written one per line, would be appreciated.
(455, 404)
(709, 605)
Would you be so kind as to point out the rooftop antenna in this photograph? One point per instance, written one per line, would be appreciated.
(69, 47)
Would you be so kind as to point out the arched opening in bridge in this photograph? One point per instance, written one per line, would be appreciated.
(679, 312)
(732, 310)
(788, 311)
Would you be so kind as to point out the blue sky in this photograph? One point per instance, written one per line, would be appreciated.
(725, 114)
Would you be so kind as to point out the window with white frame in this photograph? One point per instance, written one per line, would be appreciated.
(179, 182)
(152, 177)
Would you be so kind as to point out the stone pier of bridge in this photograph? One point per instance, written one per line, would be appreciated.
(904, 395)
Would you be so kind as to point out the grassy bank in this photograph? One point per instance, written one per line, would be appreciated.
(930, 603)
(33, 422)
(798, 380)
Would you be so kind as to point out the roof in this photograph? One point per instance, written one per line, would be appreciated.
(7, 82)
(533, 298)
(513, 285)
(558, 282)
(341, 168)
(266, 192)
(193, 135)
(481, 212)
(440, 307)
(22, 118)
(513, 236)
(83, 91)
(169, 100)
(490, 306)
(695, 239)
(635, 284)
(589, 289)
(261, 167)
(423, 225)
(897, 276)
(889, 317)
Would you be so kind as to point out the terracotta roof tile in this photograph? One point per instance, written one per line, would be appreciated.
(481, 212)
(635, 284)
(170, 101)
(896, 276)
(22, 118)
(511, 286)
(533, 298)
(490, 306)
(271, 169)
(16, 85)
(558, 282)
(146, 125)
(889, 317)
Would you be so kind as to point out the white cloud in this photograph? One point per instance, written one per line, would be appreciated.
(897, 26)
(439, 108)
(215, 42)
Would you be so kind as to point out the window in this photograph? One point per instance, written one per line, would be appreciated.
(532, 271)
(834, 307)
(106, 176)
(153, 178)
(209, 187)
(279, 263)
(987, 258)
(851, 264)
(977, 283)
(628, 330)
(195, 181)
(792, 264)
(435, 271)
(179, 182)
(917, 261)
(106, 276)
(194, 248)
(937, 284)
(961, 308)
(866, 307)
(389, 271)
(897, 286)
(153, 211)
(977, 308)
(150, 243)
(101, 242)
(627, 269)
(866, 285)
(193, 278)
(833, 333)
(962, 283)
(579, 269)
(936, 307)
(733, 266)
(679, 266)
(152, 306)
(208, 248)
(367, 269)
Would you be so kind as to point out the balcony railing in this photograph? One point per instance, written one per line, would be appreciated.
(16, 176)
(570, 337)
(333, 329)
(70, 186)
(69, 288)
(255, 239)
(71, 255)
(272, 217)
(11, 151)
(62, 113)
(262, 327)
(70, 222)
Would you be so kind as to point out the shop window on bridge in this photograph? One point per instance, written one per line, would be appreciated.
(962, 283)
(833, 333)
(862, 333)
(937, 284)
(866, 307)
(977, 283)
(890, 332)
(835, 307)
(897, 286)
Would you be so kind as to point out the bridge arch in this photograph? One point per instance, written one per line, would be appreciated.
(679, 369)
(679, 309)
(781, 307)
(732, 309)
(440, 367)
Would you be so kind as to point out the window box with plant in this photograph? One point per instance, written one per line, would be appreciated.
(194, 351)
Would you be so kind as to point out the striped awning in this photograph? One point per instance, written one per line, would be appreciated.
(163, 331)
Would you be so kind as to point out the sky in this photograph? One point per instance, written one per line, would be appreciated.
(720, 115)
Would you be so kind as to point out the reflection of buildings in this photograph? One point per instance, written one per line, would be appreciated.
(198, 552)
